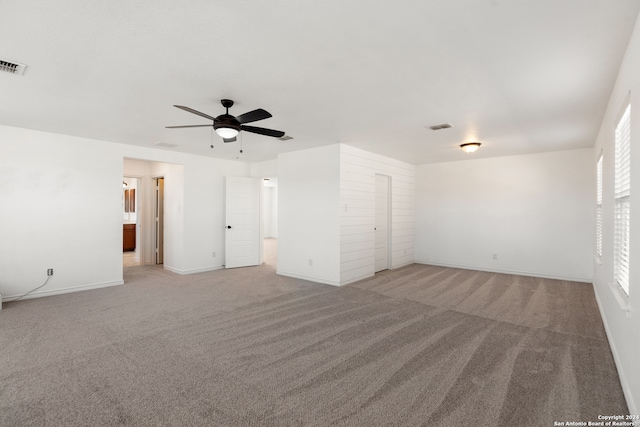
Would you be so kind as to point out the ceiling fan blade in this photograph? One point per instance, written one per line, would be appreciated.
(188, 126)
(229, 139)
(263, 131)
(253, 116)
(191, 110)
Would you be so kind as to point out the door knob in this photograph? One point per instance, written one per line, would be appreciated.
(228, 226)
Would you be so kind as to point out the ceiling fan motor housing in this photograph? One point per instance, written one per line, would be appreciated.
(226, 121)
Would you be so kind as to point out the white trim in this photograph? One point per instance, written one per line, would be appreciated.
(622, 198)
(626, 390)
(361, 278)
(66, 290)
(514, 272)
(332, 283)
(599, 210)
(192, 271)
(394, 267)
(311, 279)
(621, 296)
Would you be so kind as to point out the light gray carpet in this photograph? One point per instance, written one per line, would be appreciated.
(421, 345)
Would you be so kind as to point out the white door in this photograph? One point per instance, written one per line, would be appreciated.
(242, 239)
(159, 221)
(382, 222)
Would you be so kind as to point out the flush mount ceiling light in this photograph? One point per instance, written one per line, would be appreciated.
(470, 147)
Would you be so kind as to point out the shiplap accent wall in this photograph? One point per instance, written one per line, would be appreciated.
(358, 169)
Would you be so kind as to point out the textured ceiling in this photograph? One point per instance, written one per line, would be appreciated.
(520, 76)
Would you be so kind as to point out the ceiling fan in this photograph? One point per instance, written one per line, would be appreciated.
(228, 126)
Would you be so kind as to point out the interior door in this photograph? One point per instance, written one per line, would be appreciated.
(242, 240)
(382, 222)
(159, 220)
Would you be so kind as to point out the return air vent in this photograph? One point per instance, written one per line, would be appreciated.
(441, 126)
(12, 67)
(165, 145)
(285, 138)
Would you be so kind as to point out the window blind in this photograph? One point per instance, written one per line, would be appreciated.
(622, 193)
(599, 208)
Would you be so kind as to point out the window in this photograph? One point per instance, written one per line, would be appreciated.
(599, 208)
(622, 203)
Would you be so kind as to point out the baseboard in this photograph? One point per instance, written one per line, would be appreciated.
(310, 279)
(395, 267)
(357, 279)
(514, 272)
(626, 390)
(192, 271)
(369, 275)
(65, 290)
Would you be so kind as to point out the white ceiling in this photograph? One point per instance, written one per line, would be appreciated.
(520, 76)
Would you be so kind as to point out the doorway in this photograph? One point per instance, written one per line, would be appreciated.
(270, 221)
(382, 222)
(131, 247)
(159, 220)
(153, 216)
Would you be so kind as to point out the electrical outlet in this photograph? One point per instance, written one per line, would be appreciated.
(495, 256)
(310, 262)
(213, 254)
(50, 272)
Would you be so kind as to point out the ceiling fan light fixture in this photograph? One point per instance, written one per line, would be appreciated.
(470, 147)
(227, 132)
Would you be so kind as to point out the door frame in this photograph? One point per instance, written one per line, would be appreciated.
(154, 180)
(140, 215)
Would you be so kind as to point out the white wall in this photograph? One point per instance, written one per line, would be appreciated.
(204, 211)
(70, 199)
(62, 209)
(264, 169)
(358, 169)
(532, 211)
(620, 313)
(174, 228)
(308, 214)
(326, 211)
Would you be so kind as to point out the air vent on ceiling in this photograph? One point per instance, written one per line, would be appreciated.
(165, 145)
(285, 138)
(12, 67)
(441, 126)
